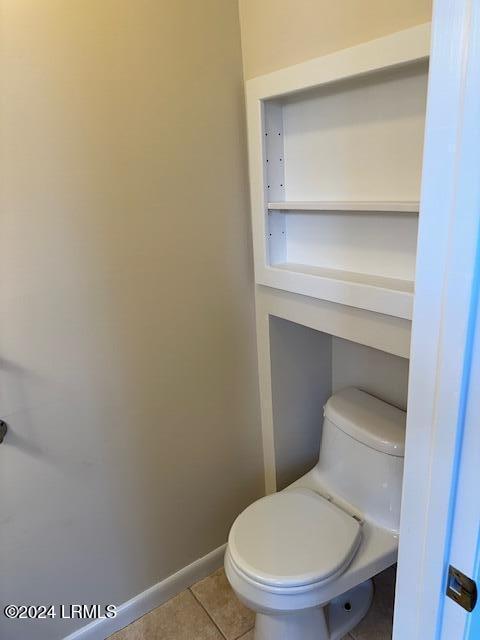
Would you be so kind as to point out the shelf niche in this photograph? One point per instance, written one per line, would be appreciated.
(342, 170)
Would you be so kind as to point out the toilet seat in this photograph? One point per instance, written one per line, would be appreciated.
(293, 539)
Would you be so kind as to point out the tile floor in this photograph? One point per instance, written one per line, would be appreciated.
(209, 610)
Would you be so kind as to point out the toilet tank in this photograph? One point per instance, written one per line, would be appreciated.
(361, 454)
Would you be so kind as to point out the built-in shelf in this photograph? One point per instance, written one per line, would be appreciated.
(359, 206)
(369, 280)
(336, 147)
(391, 296)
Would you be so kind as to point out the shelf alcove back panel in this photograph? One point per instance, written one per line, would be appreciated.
(357, 139)
(376, 244)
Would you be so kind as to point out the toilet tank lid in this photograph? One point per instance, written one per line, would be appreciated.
(371, 421)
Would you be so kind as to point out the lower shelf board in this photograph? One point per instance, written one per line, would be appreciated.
(390, 296)
(394, 284)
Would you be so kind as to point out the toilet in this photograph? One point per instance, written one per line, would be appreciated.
(303, 558)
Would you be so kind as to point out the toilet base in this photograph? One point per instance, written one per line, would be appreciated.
(345, 611)
(331, 622)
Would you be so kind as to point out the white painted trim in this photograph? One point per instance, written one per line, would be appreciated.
(358, 290)
(266, 401)
(153, 597)
(392, 50)
(448, 236)
(386, 333)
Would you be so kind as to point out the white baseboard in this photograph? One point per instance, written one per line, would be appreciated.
(151, 598)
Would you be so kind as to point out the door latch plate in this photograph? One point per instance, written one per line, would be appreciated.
(461, 589)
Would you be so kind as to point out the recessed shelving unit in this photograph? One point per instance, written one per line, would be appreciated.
(335, 150)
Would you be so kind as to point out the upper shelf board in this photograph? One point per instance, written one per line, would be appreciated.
(366, 207)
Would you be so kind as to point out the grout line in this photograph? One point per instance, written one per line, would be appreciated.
(245, 632)
(208, 613)
(212, 619)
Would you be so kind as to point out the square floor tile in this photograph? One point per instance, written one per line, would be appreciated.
(249, 636)
(229, 614)
(377, 624)
(181, 618)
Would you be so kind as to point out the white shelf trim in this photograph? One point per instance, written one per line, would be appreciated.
(358, 206)
(391, 284)
(387, 51)
(388, 296)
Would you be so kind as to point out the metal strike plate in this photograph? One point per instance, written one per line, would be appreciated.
(3, 430)
(461, 589)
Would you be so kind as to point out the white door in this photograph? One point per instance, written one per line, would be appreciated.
(441, 503)
(463, 550)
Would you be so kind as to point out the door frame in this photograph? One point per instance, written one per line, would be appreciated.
(443, 318)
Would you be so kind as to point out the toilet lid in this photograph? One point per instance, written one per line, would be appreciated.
(293, 538)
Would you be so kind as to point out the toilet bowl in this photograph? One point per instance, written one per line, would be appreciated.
(303, 558)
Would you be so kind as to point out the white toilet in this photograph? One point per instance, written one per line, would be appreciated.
(303, 558)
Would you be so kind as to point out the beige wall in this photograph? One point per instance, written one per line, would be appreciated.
(128, 367)
(278, 33)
